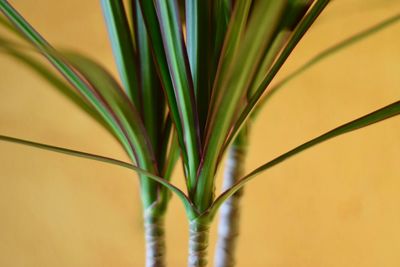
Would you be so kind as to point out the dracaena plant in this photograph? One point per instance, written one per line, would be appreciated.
(192, 75)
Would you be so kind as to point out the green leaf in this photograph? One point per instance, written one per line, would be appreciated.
(185, 200)
(233, 87)
(371, 118)
(110, 114)
(7, 25)
(295, 12)
(151, 93)
(166, 134)
(221, 16)
(330, 51)
(199, 43)
(154, 32)
(119, 103)
(231, 43)
(122, 45)
(222, 11)
(80, 84)
(21, 54)
(227, 55)
(172, 157)
(172, 37)
(298, 33)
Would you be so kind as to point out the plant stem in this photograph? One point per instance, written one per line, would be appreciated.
(155, 240)
(228, 228)
(198, 243)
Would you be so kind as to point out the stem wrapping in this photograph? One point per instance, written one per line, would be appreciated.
(198, 243)
(155, 240)
(228, 228)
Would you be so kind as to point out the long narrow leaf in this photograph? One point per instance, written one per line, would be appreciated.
(86, 90)
(182, 196)
(122, 45)
(295, 12)
(199, 44)
(126, 112)
(176, 54)
(7, 25)
(16, 52)
(109, 88)
(154, 32)
(222, 11)
(234, 36)
(298, 33)
(371, 118)
(326, 53)
(172, 158)
(228, 52)
(234, 86)
(92, 95)
(151, 93)
(166, 133)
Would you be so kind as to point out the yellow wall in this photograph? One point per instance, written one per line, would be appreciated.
(335, 205)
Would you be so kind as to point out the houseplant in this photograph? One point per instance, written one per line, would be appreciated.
(202, 203)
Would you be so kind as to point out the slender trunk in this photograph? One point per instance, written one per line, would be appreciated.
(155, 241)
(198, 243)
(228, 229)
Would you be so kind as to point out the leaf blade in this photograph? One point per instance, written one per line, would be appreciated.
(154, 32)
(381, 114)
(176, 55)
(151, 93)
(199, 49)
(93, 96)
(43, 47)
(182, 196)
(328, 52)
(233, 88)
(128, 115)
(122, 45)
(18, 53)
(298, 33)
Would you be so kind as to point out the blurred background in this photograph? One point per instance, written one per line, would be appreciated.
(337, 204)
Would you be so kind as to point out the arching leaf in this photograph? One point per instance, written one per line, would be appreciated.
(371, 118)
(182, 196)
(296, 36)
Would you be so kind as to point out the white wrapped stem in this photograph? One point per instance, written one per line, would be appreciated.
(228, 229)
(155, 241)
(198, 244)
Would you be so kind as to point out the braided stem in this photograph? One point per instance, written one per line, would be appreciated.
(228, 228)
(198, 244)
(155, 241)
